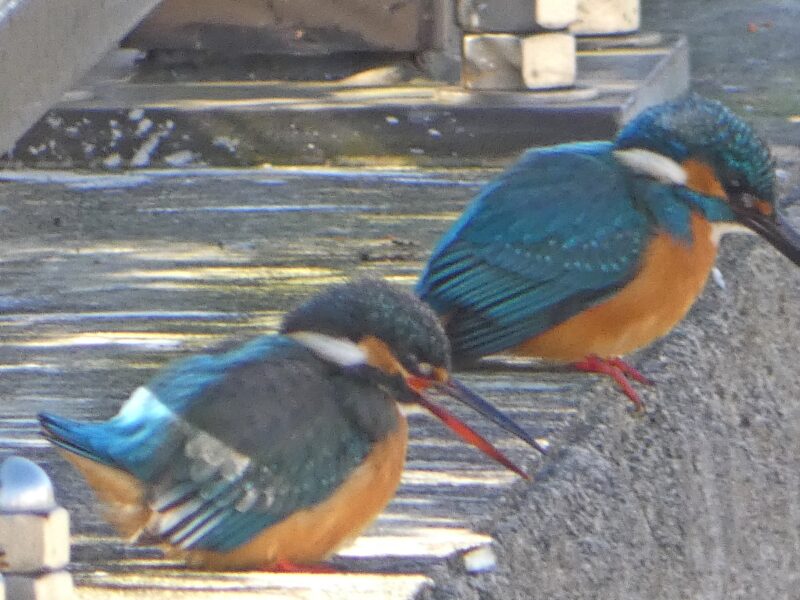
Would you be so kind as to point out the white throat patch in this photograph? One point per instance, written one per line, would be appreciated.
(652, 164)
(339, 351)
(720, 229)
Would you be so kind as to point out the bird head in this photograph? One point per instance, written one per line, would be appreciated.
(386, 335)
(715, 161)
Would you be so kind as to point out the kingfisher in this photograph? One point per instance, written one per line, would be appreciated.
(273, 454)
(584, 252)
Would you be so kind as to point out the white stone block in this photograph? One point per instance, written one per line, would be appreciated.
(555, 14)
(605, 17)
(492, 62)
(47, 586)
(480, 560)
(548, 61)
(31, 542)
(515, 16)
(24, 487)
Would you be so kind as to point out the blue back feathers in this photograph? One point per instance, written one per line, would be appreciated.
(558, 231)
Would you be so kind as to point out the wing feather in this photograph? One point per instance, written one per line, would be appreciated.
(557, 233)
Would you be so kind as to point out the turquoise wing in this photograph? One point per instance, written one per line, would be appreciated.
(557, 233)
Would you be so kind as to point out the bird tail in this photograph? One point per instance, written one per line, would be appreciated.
(86, 447)
(83, 439)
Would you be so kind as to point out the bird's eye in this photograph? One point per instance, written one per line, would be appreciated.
(425, 369)
(418, 367)
(734, 186)
(746, 200)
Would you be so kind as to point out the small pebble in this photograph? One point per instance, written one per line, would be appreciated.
(716, 275)
(480, 560)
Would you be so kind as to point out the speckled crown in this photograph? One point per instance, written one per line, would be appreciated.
(374, 307)
(699, 128)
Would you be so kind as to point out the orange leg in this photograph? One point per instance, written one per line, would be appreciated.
(619, 371)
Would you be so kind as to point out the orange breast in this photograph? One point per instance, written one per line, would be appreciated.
(311, 535)
(672, 275)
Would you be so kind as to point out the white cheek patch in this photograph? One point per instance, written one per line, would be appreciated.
(339, 351)
(653, 165)
(407, 409)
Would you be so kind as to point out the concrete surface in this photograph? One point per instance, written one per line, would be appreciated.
(743, 53)
(287, 26)
(47, 46)
(698, 499)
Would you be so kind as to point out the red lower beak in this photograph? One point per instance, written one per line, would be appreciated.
(461, 429)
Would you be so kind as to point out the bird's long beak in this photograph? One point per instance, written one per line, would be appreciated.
(456, 389)
(460, 392)
(774, 229)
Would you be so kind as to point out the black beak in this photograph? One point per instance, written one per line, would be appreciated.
(463, 394)
(774, 229)
(419, 385)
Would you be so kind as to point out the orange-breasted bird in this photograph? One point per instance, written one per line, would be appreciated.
(584, 252)
(273, 454)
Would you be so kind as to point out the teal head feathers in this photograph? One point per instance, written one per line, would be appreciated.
(726, 168)
(706, 130)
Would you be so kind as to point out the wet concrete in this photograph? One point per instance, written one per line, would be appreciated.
(105, 278)
(128, 115)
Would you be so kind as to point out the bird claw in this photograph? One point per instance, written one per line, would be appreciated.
(619, 371)
(630, 371)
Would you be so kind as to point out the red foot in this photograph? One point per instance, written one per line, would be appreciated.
(629, 371)
(619, 371)
(285, 566)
